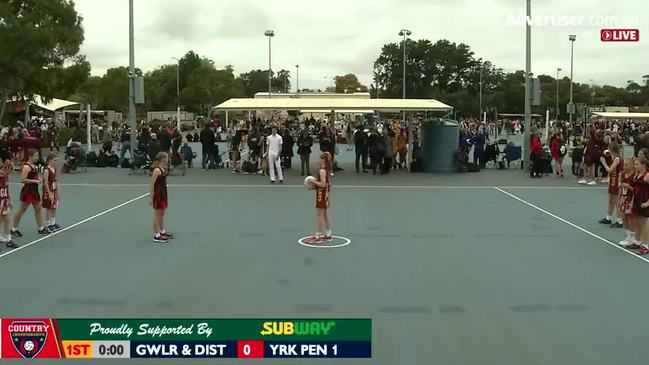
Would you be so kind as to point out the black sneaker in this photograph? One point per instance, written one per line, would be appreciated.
(44, 231)
(617, 225)
(281, 181)
(16, 233)
(160, 239)
(604, 221)
(272, 181)
(12, 244)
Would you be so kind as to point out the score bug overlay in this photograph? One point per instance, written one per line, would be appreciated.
(185, 338)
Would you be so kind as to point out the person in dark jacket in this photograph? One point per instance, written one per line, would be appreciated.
(165, 140)
(126, 143)
(287, 148)
(208, 141)
(328, 144)
(376, 150)
(360, 144)
(479, 141)
(304, 144)
(154, 147)
(387, 156)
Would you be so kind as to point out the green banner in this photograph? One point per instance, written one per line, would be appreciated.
(214, 329)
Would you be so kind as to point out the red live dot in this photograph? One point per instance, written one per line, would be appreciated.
(250, 349)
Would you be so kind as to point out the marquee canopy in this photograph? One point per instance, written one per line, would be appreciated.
(54, 104)
(341, 105)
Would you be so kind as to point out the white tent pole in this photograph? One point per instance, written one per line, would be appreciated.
(89, 127)
(547, 123)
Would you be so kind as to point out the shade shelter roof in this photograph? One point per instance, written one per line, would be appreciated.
(622, 115)
(339, 105)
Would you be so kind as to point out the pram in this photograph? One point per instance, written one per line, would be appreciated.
(491, 153)
(75, 159)
(141, 163)
(177, 165)
(513, 155)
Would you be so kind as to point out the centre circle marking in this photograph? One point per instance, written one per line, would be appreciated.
(346, 241)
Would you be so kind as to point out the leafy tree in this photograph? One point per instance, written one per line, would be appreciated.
(348, 84)
(37, 38)
(208, 87)
(71, 78)
(257, 81)
(160, 88)
(443, 67)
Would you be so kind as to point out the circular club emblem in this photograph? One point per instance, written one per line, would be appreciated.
(607, 35)
(338, 241)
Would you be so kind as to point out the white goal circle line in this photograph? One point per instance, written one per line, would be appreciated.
(347, 242)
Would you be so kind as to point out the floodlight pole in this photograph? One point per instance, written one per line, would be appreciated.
(528, 82)
(557, 110)
(405, 33)
(131, 78)
(572, 39)
(270, 34)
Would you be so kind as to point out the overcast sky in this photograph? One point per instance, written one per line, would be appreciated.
(334, 37)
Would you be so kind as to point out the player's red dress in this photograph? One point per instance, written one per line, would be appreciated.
(614, 178)
(626, 196)
(5, 200)
(640, 195)
(322, 194)
(50, 202)
(160, 191)
(29, 193)
(556, 142)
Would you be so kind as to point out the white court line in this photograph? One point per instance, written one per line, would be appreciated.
(571, 224)
(294, 186)
(73, 225)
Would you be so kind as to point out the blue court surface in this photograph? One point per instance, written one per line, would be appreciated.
(488, 268)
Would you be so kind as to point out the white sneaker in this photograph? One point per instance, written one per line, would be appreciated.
(592, 183)
(604, 181)
(624, 243)
(582, 182)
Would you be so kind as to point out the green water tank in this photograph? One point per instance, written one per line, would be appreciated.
(439, 143)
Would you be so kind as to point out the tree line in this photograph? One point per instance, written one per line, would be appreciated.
(40, 55)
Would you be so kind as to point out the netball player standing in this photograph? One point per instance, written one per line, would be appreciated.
(158, 193)
(322, 201)
(29, 194)
(640, 207)
(51, 193)
(5, 204)
(614, 170)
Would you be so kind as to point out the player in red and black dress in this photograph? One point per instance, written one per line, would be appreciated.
(624, 203)
(640, 208)
(557, 150)
(158, 193)
(29, 194)
(323, 201)
(5, 204)
(614, 170)
(51, 193)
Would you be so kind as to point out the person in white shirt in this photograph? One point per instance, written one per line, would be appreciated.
(274, 149)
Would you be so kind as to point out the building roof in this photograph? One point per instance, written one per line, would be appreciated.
(341, 105)
(622, 115)
(507, 115)
(321, 95)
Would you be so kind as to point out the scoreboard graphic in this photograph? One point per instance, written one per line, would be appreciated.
(49, 338)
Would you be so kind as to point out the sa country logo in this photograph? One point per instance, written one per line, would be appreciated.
(28, 337)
